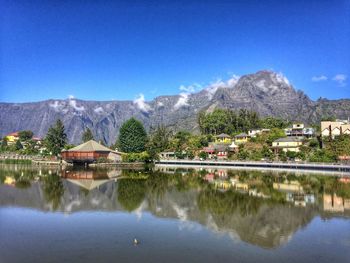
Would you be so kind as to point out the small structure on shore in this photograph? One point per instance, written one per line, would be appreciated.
(88, 152)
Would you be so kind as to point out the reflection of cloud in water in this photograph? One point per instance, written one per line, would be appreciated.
(182, 215)
(70, 205)
(221, 232)
(138, 211)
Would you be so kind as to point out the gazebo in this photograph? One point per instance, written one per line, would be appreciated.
(87, 152)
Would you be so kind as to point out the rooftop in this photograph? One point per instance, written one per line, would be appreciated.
(90, 146)
(223, 135)
(241, 135)
(289, 139)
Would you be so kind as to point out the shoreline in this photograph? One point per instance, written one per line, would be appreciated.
(305, 167)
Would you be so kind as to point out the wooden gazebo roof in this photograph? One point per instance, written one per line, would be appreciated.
(90, 146)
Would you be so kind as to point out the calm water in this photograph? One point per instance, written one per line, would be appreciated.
(177, 215)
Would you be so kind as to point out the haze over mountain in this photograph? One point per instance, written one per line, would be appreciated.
(266, 92)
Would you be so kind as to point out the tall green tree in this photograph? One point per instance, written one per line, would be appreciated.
(56, 138)
(159, 140)
(87, 135)
(25, 135)
(272, 122)
(4, 143)
(18, 145)
(132, 136)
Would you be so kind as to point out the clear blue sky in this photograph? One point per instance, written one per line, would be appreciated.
(103, 50)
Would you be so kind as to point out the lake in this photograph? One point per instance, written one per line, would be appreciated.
(177, 215)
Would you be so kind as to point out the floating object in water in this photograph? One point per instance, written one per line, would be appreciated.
(136, 242)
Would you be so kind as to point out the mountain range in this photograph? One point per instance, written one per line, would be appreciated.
(266, 92)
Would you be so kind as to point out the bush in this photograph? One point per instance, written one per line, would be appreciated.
(323, 156)
(136, 157)
(203, 155)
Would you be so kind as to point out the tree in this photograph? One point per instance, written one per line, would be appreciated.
(56, 138)
(275, 134)
(271, 122)
(339, 146)
(87, 135)
(25, 135)
(132, 136)
(18, 145)
(4, 143)
(159, 139)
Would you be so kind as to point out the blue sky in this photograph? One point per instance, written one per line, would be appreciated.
(104, 50)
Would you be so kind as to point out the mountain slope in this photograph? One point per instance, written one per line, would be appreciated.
(266, 92)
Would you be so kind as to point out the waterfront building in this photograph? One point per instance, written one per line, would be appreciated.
(233, 147)
(286, 144)
(241, 138)
(299, 129)
(223, 138)
(254, 133)
(334, 128)
(89, 152)
(12, 138)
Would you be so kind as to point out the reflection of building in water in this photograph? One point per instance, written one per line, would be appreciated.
(88, 184)
(209, 177)
(222, 173)
(222, 184)
(334, 203)
(295, 193)
(90, 174)
(90, 179)
(242, 186)
(292, 186)
(344, 180)
(255, 193)
(9, 181)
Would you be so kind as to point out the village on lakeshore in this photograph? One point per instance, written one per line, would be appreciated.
(224, 135)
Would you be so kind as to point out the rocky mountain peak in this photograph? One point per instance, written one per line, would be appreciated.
(266, 92)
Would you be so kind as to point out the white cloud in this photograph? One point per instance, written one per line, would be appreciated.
(184, 95)
(340, 79)
(99, 110)
(141, 103)
(281, 78)
(183, 101)
(73, 104)
(213, 87)
(319, 78)
(57, 106)
(191, 88)
(71, 97)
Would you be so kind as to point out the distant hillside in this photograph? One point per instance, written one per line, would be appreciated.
(266, 92)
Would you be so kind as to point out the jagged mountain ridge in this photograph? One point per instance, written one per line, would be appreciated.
(266, 92)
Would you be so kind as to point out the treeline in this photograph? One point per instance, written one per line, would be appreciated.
(232, 122)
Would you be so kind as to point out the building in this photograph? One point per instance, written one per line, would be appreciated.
(88, 152)
(223, 138)
(298, 129)
(334, 128)
(241, 138)
(12, 138)
(221, 151)
(233, 147)
(254, 133)
(286, 144)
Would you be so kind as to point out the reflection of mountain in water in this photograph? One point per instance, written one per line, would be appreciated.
(266, 222)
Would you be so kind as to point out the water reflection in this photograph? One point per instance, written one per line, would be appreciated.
(261, 208)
